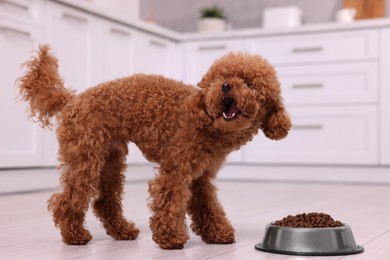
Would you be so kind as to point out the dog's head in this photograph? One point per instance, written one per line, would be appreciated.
(241, 91)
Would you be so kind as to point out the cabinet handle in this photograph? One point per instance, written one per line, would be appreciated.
(119, 31)
(158, 43)
(16, 31)
(309, 85)
(308, 49)
(74, 17)
(211, 47)
(309, 127)
(17, 5)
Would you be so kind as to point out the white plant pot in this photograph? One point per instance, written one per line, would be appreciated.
(211, 25)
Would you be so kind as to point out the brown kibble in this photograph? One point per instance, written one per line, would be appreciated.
(308, 220)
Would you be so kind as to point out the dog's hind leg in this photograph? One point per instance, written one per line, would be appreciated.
(108, 205)
(208, 217)
(82, 157)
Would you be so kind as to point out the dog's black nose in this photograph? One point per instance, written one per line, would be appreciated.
(226, 87)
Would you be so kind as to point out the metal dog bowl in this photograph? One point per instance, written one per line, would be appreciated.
(309, 241)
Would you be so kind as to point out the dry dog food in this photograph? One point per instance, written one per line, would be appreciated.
(308, 220)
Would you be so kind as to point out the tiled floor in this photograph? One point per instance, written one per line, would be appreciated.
(27, 231)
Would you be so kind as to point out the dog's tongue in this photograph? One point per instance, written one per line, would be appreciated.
(232, 111)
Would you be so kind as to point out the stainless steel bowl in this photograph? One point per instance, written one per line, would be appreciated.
(309, 241)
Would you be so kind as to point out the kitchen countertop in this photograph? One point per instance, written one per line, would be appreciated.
(305, 28)
(134, 23)
(251, 32)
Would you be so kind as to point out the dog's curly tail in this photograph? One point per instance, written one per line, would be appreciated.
(43, 87)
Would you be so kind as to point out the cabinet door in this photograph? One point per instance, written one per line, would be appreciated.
(116, 52)
(385, 96)
(199, 56)
(156, 55)
(71, 34)
(322, 135)
(21, 142)
(28, 12)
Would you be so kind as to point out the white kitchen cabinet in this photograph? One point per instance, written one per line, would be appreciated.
(334, 79)
(114, 51)
(72, 35)
(156, 55)
(345, 135)
(324, 47)
(21, 141)
(90, 50)
(385, 96)
(28, 12)
(198, 56)
(320, 84)
(103, 51)
(330, 83)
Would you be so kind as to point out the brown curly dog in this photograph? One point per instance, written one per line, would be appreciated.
(188, 131)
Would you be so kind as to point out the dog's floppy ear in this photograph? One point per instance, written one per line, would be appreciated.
(276, 123)
(203, 83)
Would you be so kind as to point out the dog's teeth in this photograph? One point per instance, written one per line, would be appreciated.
(228, 117)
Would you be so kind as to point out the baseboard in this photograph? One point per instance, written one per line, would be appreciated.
(26, 180)
(324, 173)
(38, 179)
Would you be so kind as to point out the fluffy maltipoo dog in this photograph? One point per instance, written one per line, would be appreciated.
(188, 131)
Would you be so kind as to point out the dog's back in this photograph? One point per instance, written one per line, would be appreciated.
(144, 109)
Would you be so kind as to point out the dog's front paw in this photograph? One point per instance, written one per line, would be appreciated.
(218, 234)
(170, 241)
(168, 233)
(127, 231)
(77, 237)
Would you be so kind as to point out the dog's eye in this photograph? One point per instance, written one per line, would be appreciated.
(248, 84)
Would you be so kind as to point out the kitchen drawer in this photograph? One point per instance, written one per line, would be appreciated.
(330, 83)
(28, 11)
(322, 135)
(340, 46)
(199, 56)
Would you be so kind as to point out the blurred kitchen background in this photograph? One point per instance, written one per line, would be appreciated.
(332, 58)
(182, 15)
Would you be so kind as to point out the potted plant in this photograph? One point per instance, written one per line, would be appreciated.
(212, 19)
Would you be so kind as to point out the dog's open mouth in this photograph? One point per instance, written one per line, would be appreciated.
(231, 110)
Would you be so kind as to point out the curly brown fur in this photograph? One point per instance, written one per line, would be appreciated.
(43, 87)
(186, 130)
